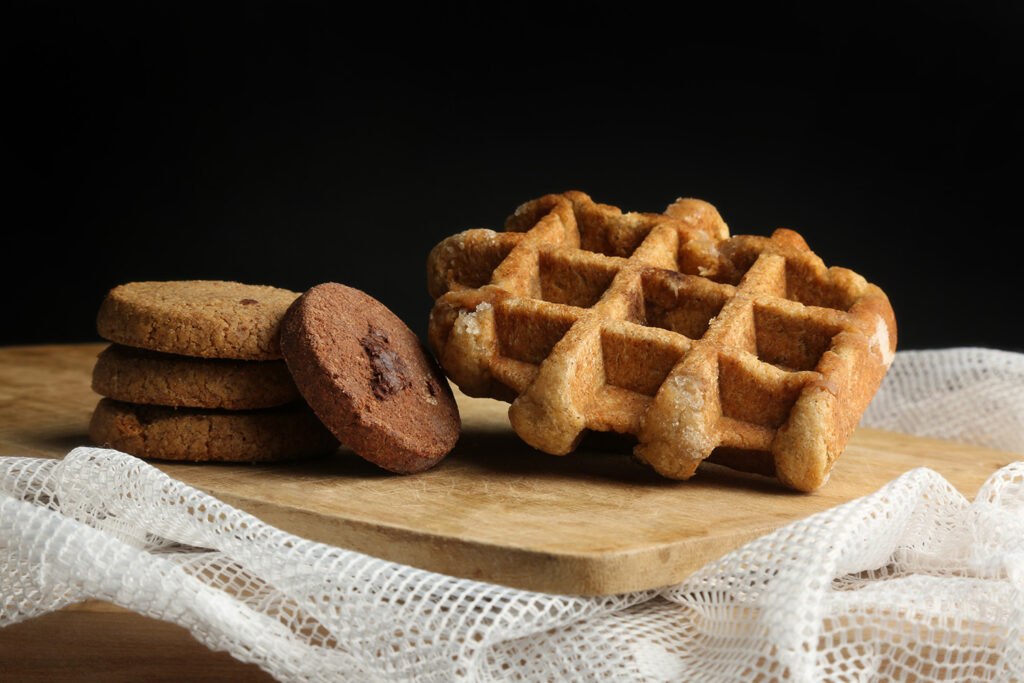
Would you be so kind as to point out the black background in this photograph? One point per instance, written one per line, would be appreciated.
(293, 144)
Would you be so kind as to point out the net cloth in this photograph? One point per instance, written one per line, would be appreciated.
(913, 582)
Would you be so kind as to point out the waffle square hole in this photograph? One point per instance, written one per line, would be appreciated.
(636, 364)
(527, 335)
(791, 341)
(724, 262)
(613, 236)
(807, 286)
(579, 282)
(476, 259)
(681, 303)
(750, 395)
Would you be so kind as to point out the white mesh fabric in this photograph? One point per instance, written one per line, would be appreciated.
(913, 582)
(971, 395)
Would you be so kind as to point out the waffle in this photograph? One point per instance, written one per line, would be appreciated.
(746, 351)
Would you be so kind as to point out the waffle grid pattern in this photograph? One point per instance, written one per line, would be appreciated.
(746, 350)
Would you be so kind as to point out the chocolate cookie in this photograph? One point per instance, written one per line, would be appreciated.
(140, 376)
(205, 318)
(369, 378)
(162, 433)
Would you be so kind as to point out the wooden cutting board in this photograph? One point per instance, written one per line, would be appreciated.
(592, 522)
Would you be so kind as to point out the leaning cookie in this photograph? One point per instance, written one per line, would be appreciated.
(162, 433)
(369, 379)
(204, 318)
(140, 376)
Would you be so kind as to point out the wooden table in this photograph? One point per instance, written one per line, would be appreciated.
(494, 510)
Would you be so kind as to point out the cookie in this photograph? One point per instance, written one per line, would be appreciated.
(369, 378)
(162, 433)
(140, 376)
(204, 318)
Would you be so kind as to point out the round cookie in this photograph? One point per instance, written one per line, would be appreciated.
(162, 433)
(369, 378)
(204, 318)
(140, 376)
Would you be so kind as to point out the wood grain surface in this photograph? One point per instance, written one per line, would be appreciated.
(593, 522)
(96, 641)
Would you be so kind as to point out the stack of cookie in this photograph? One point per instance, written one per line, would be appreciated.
(221, 371)
(194, 372)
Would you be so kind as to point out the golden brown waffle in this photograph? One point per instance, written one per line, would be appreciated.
(745, 350)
